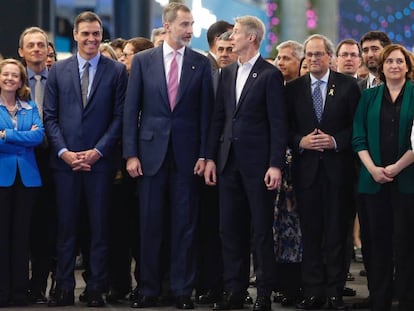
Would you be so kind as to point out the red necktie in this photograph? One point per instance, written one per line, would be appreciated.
(173, 81)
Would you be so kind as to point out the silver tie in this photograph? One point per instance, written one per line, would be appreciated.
(39, 93)
(85, 84)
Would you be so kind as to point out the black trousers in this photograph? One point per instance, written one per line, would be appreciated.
(15, 213)
(389, 224)
(325, 211)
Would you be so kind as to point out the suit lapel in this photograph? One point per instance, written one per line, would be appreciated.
(74, 73)
(100, 70)
(157, 59)
(330, 95)
(254, 73)
(187, 72)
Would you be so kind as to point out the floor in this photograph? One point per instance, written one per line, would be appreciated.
(359, 284)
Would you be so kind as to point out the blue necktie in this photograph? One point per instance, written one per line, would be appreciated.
(318, 100)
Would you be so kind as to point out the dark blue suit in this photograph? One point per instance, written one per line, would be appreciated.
(69, 125)
(168, 144)
(244, 141)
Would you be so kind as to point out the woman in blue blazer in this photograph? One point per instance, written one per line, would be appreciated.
(381, 137)
(21, 129)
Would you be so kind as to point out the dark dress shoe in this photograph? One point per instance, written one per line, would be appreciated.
(141, 301)
(262, 303)
(336, 303)
(349, 292)
(311, 303)
(37, 297)
(229, 301)
(83, 297)
(115, 296)
(288, 301)
(61, 299)
(209, 297)
(134, 294)
(248, 300)
(95, 299)
(184, 302)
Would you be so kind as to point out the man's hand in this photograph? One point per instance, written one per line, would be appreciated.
(75, 161)
(210, 176)
(133, 167)
(273, 178)
(317, 140)
(199, 167)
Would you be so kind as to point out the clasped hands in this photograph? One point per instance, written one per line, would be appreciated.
(317, 140)
(81, 160)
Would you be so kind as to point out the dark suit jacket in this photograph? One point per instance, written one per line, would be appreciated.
(185, 128)
(256, 128)
(69, 125)
(337, 118)
(213, 62)
(362, 83)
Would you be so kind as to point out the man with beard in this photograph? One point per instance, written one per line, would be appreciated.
(372, 44)
(166, 116)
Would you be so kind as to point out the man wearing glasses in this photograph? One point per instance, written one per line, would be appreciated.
(321, 107)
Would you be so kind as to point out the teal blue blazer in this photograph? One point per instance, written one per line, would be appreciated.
(366, 136)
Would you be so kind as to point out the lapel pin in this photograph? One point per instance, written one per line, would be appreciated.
(254, 75)
(193, 67)
(331, 91)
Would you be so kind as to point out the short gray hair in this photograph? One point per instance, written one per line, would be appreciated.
(297, 48)
(329, 46)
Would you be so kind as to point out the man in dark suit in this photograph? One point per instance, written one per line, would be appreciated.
(372, 44)
(83, 120)
(33, 49)
(248, 142)
(213, 32)
(323, 170)
(165, 132)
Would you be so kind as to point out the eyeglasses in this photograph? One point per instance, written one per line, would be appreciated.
(346, 55)
(317, 55)
(51, 55)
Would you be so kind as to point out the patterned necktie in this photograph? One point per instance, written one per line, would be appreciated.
(39, 93)
(85, 84)
(318, 100)
(173, 81)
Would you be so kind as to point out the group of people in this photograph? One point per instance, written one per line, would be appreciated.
(199, 167)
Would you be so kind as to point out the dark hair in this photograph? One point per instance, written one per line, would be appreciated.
(87, 16)
(349, 42)
(117, 43)
(376, 35)
(300, 64)
(54, 50)
(387, 51)
(140, 44)
(216, 29)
